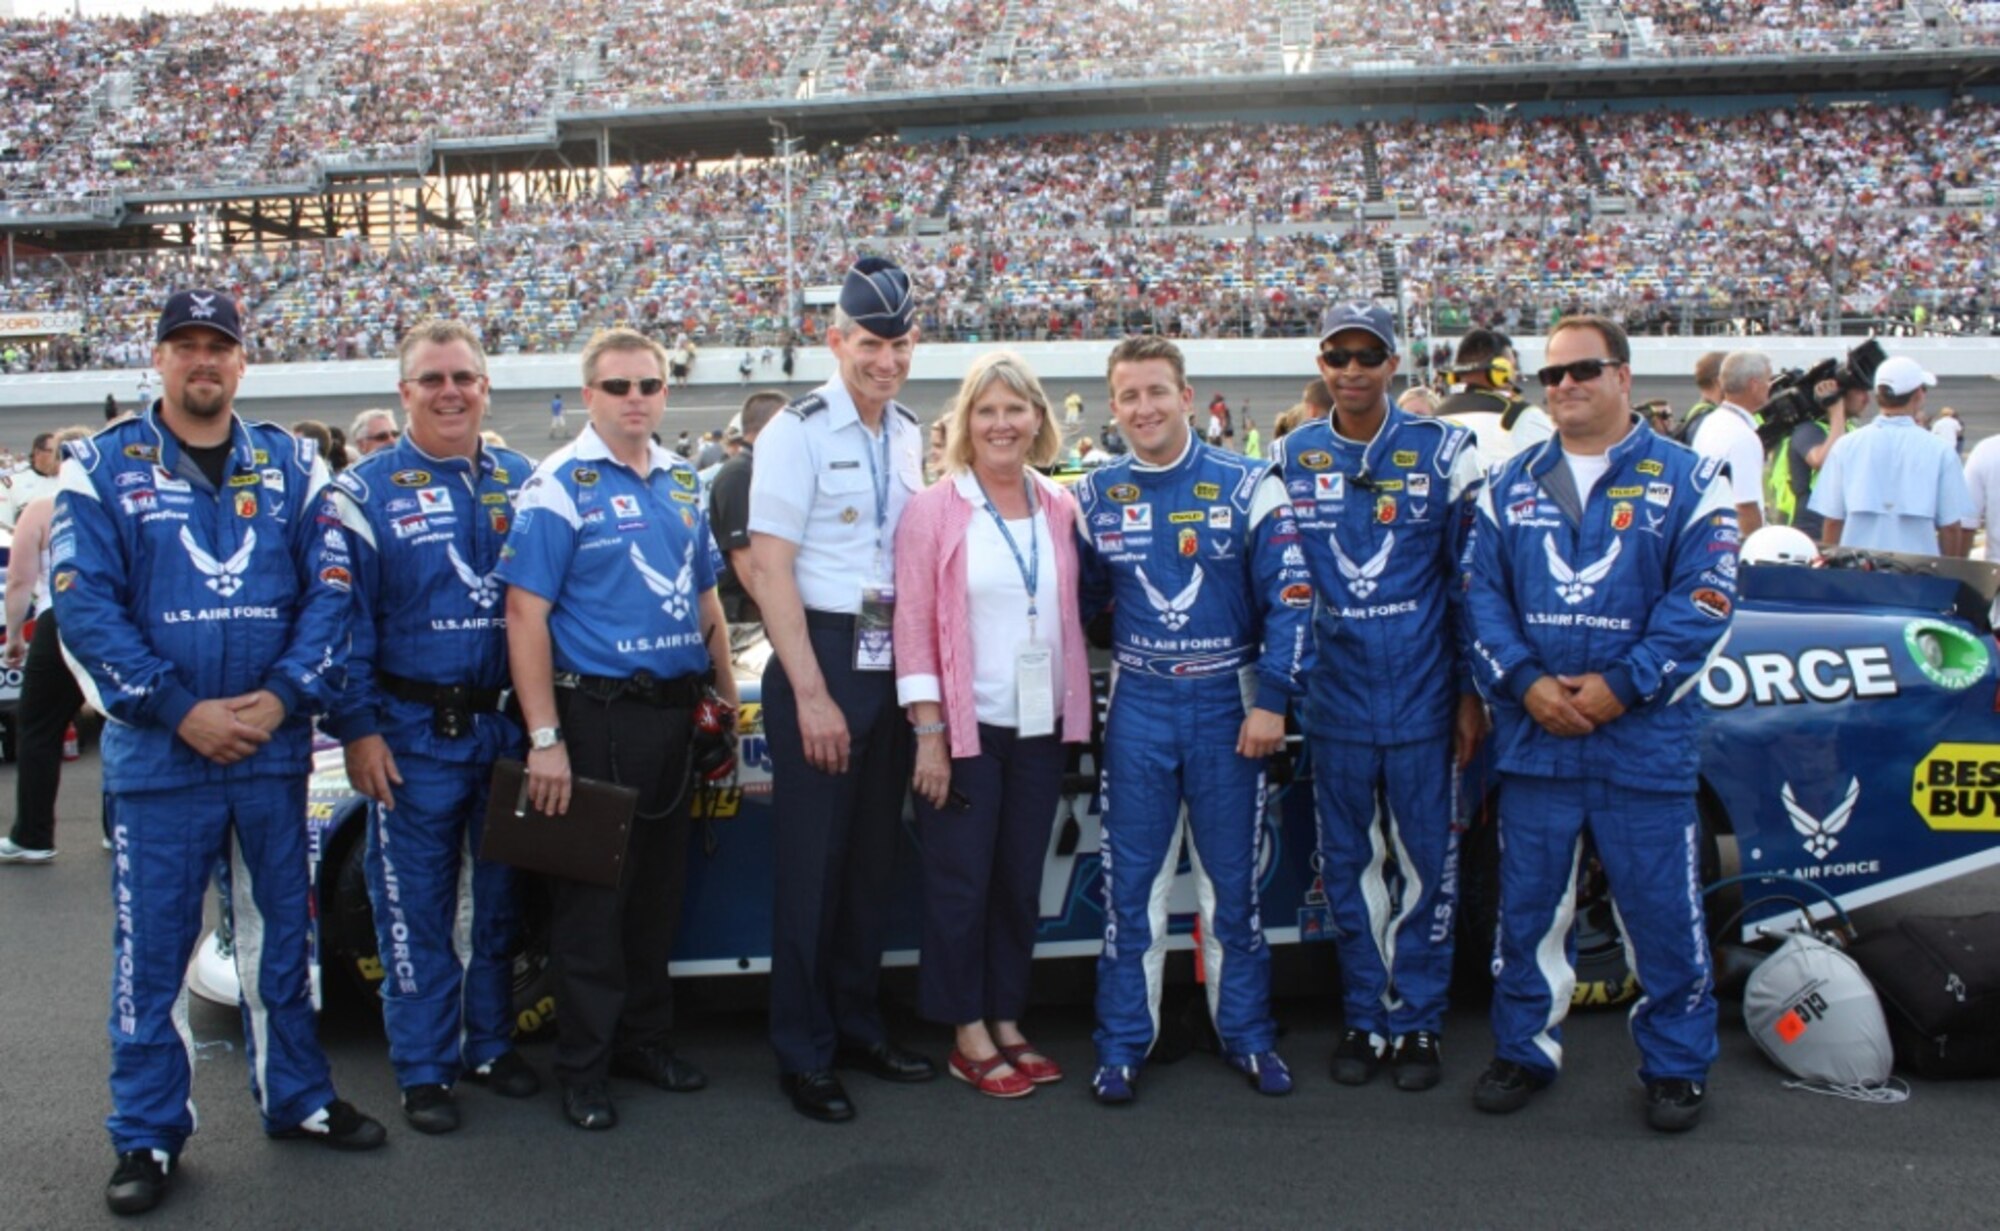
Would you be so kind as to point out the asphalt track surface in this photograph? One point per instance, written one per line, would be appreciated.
(522, 416)
(1199, 1149)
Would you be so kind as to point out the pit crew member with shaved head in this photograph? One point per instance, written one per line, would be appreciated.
(1196, 548)
(421, 719)
(1602, 572)
(615, 635)
(834, 472)
(201, 581)
(1383, 503)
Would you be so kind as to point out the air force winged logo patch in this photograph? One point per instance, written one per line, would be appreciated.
(1173, 611)
(1818, 831)
(676, 593)
(225, 577)
(483, 590)
(1575, 585)
(1362, 579)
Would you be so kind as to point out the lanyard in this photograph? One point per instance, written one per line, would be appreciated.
(879, 475)
(1031, 568)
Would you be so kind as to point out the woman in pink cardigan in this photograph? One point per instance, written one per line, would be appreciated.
(990, 662)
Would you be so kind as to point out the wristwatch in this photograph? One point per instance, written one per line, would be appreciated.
(541, 739)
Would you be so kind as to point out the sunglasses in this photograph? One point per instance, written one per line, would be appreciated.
(1583, 371)
(618, 386)
(1337, 357)
(377, 438)
(432, 382)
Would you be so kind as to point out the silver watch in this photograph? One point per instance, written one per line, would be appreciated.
(541, 739)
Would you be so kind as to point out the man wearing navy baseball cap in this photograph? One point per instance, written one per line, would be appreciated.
(834, 470)
(201, 583)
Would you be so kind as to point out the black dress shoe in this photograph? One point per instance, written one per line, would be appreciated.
(818, 1096)
(588, 1105)
(429, 1109)
(340, 1125)
(507, 1075)
(660, 1066)
(887, 1061)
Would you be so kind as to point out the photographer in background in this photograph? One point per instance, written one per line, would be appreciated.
(1796, 466)
(1895, 487)
(1729, 433)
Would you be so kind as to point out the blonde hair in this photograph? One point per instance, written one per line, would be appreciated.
(620, 339)
(1013, 371)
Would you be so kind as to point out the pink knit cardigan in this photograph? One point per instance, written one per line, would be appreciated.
(933, 622)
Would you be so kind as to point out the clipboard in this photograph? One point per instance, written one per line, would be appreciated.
(585, 844)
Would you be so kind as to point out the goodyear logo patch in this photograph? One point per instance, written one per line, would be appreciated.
(411, 478)
(1956, 788)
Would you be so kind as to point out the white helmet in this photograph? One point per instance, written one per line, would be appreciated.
(1780, 545)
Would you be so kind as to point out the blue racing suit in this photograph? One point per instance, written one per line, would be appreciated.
(1634, 580)
(172, 591)
(1211, 615)
(1382, 524)
(426, 534)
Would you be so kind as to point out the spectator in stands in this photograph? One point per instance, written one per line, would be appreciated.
(1895, 487)
(374, 429)
(1729, 433)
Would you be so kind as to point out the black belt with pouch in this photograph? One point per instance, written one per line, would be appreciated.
(453, 706)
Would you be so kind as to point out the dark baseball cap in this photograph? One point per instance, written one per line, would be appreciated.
(211, 309)
(1367, 317)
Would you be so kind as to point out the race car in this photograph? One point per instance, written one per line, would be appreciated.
(1851, 741)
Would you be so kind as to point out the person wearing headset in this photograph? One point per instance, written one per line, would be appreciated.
(1485, 363)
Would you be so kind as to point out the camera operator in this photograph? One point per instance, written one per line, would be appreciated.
(1795, 468)
(1485, 364)
(1895, 487)
(1729, 433)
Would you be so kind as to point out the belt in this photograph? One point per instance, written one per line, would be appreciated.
(450, 696)
(830, 621)
(679, 693)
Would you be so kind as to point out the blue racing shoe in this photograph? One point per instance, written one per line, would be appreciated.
(1266, 1071)
(1115, 1084)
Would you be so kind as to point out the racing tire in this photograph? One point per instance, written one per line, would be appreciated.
(349, 925)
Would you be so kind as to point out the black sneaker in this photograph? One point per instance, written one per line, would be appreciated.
(1358, 1057)
(1506, 1086)
(139, 1182)
(338, 1126)
(1417, 1063)
(1674, 1105)
(429, 1109)
(507, 1075)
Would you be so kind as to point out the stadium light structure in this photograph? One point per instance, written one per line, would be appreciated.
(786, 146)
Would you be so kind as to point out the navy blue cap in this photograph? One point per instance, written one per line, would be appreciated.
(201, 306)
(876, 296)
(1366, 317)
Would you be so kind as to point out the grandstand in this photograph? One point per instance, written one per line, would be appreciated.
(1050, 169)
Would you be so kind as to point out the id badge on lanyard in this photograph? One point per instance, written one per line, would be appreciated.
(874, 629)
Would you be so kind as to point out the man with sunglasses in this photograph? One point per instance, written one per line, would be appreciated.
(1383, 503)
(615, 635)
(24, 487)
(420, 717)
(373, 429)
(834, 471)
(1601, 580)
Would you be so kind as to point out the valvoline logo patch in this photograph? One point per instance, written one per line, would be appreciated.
(1138, 517)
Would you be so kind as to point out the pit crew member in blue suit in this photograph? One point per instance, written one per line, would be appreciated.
(615, 635)
(421, 720)
(201, 582)
(1602, 575)
(1383, 503)
(1194, 546)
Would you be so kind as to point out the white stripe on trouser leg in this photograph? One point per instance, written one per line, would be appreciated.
(1552, 959)
(1413, 893)
(1155, 961)
(250, 960)
(186, 1031)
(1211, 942)
(1375, 887)
(461, 931)
(1631, 964)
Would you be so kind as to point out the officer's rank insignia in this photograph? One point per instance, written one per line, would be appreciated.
(850, 515)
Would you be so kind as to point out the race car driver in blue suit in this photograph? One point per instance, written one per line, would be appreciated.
(1602, 580)
(422, 724)
(203, 585)
(1383, 501)
(1210, 634)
